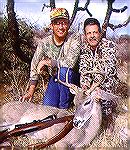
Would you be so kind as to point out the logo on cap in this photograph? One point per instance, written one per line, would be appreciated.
(59, 13)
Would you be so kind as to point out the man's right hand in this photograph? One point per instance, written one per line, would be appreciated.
(27, 97)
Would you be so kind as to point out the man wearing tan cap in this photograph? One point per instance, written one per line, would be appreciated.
(61, 50)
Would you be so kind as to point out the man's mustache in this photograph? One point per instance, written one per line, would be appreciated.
(94, 38)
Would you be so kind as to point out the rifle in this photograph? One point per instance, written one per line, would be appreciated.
(34, 126)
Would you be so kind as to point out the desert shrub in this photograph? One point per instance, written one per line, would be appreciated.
(8, 58)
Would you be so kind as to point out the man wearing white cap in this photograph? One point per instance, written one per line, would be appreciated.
(61, 50)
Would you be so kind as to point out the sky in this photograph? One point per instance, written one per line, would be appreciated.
(31, 10)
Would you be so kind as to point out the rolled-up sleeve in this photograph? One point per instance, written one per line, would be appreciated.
(38, 55)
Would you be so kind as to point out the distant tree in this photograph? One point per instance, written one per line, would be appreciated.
(14, 32)
(1, 43)
(8, 57)
(75, 9)
(13, 27)
(26, 34)
(109, 11)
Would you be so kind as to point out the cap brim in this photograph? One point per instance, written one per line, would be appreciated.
(59, 17)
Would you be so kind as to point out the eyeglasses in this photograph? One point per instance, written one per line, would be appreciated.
(63, 23)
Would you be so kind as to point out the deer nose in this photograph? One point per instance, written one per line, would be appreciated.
(76, 123)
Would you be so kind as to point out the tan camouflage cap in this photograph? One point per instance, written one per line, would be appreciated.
(59, 13)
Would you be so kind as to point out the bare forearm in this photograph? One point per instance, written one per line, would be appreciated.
(29, 95)
(31, 89)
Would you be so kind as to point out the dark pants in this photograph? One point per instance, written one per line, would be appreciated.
(58, 95)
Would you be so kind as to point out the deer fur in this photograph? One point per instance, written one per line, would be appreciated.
(13, 111)
(77, 137)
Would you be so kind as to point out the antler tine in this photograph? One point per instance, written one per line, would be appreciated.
(70, 85)
(67, 76)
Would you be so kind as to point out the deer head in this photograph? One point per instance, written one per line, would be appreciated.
(83, 113)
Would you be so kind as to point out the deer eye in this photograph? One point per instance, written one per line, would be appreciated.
(87, 102)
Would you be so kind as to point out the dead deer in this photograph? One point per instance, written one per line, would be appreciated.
(87, 120)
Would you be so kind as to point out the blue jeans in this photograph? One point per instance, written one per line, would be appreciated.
(58, 95)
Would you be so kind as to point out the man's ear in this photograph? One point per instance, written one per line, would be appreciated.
(51, 26)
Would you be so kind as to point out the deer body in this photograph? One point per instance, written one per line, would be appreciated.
(12, 112)
(87, 120)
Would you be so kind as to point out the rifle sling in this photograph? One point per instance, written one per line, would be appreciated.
(67, 128)
(33, 127)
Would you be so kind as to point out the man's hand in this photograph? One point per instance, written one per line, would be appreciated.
(42, 63)
(96, 94)
(28, 96)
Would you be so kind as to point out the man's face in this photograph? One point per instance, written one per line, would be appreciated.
(60, 27)
(92, 35)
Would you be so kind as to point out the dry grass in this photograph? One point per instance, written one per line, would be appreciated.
(103, 141)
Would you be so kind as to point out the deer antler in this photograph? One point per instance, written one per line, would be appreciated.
(73, 88)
